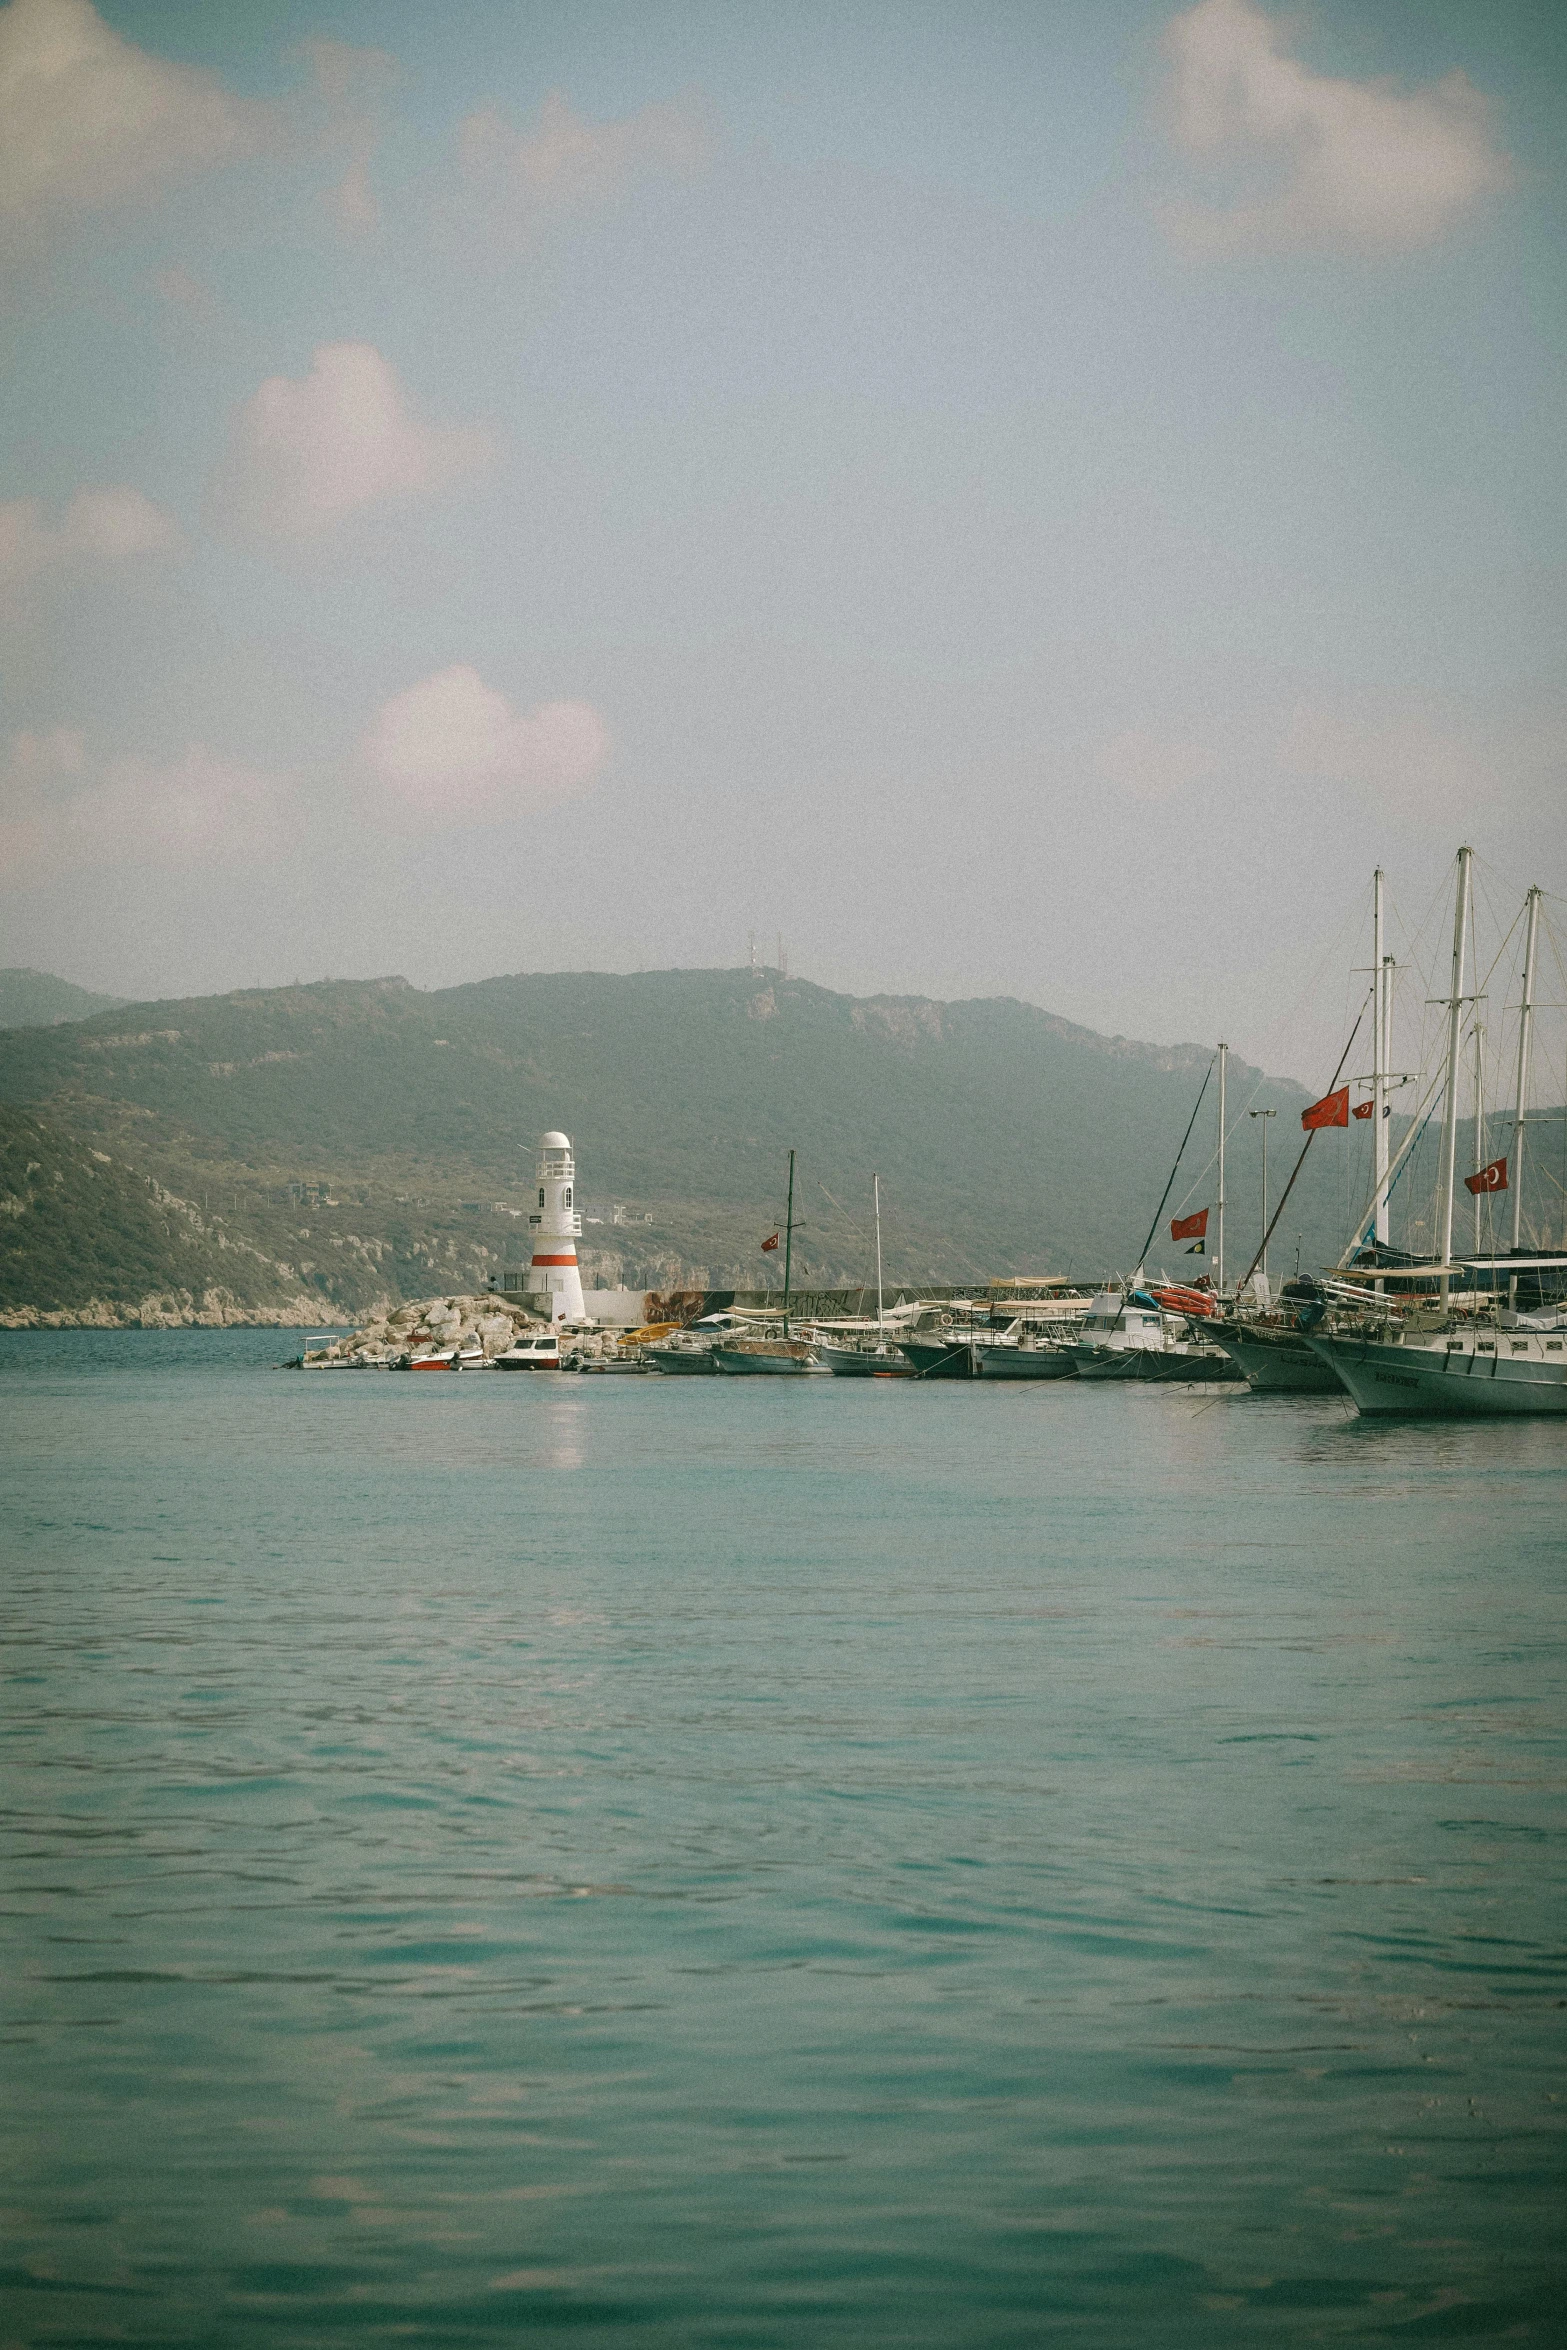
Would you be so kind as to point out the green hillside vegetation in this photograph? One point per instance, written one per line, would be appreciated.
(36, 999)
(378, 1140)
(81, 1233)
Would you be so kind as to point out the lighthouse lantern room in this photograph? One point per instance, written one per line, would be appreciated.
(554, 1282)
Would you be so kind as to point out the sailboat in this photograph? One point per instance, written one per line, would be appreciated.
(1510, 1364)
(772, 1358)
(879, 1360)
(1129, 1333)
(1269, 1344)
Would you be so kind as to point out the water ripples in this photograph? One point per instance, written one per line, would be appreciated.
(736, 1867)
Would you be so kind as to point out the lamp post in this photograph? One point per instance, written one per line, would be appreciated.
(1264, 1114)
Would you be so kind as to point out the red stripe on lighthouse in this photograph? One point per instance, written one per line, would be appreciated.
(554, 1260)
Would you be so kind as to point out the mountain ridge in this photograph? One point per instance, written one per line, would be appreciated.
(378, 1139)
(38, 999)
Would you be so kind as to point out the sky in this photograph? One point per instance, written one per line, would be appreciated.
(1029, 500)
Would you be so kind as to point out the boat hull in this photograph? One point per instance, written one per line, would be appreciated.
(941, 1358)
(1278, 1362)
(731, 1363)
(1168, 1365)
(853, 1362)
(1026, 1362)
(1419, 1382)
(688, 1363)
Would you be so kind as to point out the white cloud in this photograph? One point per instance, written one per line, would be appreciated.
(62, 811)
(566, 163)
(87, 120)
(1315, 162)
(98, 531)
(453, 748)
(304, 455)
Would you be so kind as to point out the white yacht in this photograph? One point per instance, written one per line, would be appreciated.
(1480, 1373)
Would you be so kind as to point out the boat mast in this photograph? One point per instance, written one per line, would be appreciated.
(1264, 1115)
(881, 1326)
(788, 1246)
(1381, 1023)
(1224, 1055)
(1479, 1114)
(1455, 1022)
(1525, 1025)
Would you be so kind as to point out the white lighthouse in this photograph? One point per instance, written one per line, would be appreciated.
(554, 1283)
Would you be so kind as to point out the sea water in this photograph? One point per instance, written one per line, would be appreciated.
(772, 1863)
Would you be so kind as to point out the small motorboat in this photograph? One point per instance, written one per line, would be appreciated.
(531, 1354)
(1129, 1335)
(433, 1358)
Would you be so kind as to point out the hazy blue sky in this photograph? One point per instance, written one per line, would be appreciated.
(1028, 499)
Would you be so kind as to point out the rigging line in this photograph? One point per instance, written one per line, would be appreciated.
(1174, 1171)
(1413, 938)
(1409, 1161)
(1274, 1034)
(1301, 1161)
(1478, 892)
(1507, 940)
(1513, 888)
(844, 1213)
(1233, 1128)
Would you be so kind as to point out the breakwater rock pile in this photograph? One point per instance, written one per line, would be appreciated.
(384, 1344)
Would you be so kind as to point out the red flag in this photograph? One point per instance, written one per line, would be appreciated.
(1492, 1178)
(1190, 1227)
(1365, 1109)
(1332, 1110)
(767, 1244)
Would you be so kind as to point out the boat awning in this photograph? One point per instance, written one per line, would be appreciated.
(1511, 1265)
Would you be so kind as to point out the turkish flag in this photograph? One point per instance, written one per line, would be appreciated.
(767, 1244)
(1332, 1110)
(1492, 1178)
(1365, 1109)
(1190, 1227)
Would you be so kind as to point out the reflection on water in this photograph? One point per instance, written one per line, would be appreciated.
(848, 1863)
(565, 1426)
